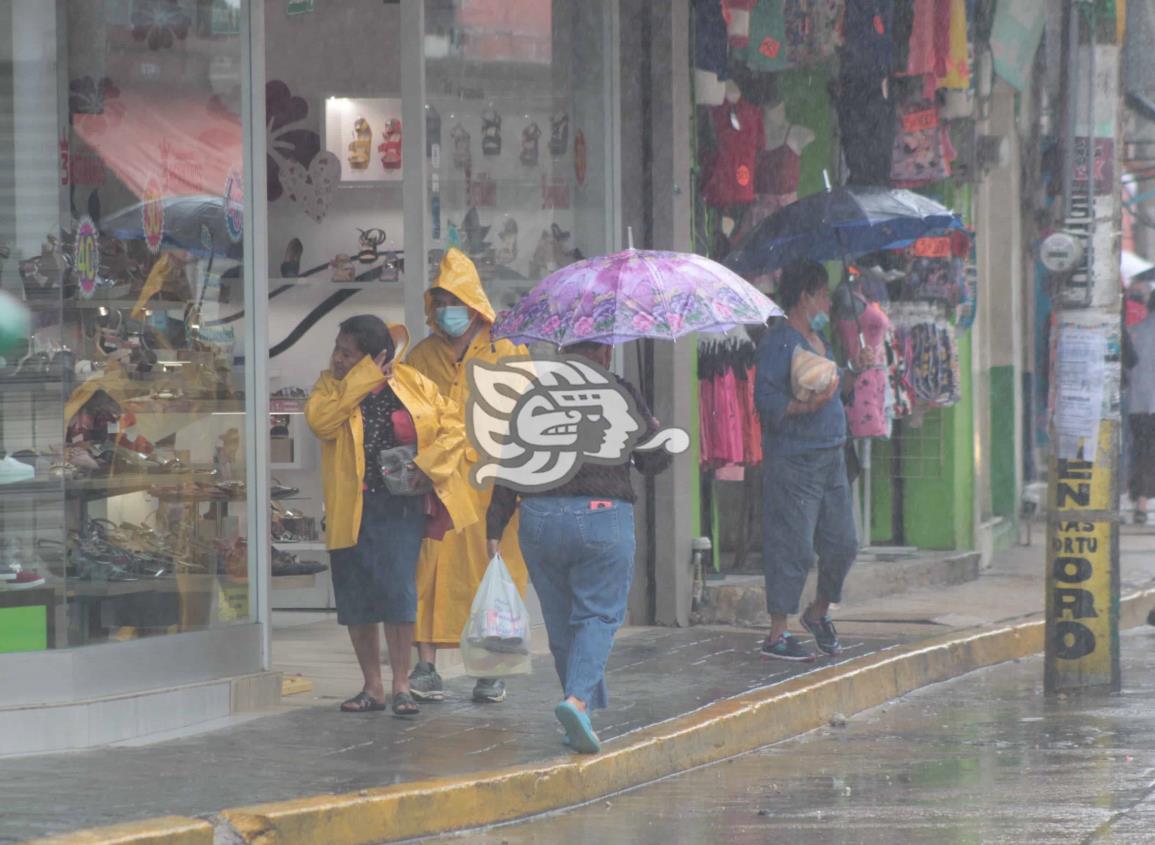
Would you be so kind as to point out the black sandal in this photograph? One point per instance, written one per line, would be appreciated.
(362, 702)
(404, 705)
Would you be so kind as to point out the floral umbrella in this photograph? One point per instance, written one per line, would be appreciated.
(632, 295)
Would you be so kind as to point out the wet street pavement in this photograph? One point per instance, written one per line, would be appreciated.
(985, 758)
(654, 674)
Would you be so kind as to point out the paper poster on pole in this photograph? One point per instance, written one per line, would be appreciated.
(1080, 370)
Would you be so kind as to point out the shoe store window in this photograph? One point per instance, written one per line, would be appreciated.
(519, 139)
(123, 480)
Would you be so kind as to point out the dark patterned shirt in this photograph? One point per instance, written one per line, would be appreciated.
(592, 481)
(377, 416)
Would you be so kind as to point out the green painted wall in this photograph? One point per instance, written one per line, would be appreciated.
(938, 507)
(1002, 457)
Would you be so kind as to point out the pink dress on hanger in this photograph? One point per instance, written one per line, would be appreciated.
(866, 412)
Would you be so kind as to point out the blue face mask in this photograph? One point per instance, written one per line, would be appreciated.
(819, 321)
(454, 320)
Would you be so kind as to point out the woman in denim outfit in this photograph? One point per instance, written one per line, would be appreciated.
(578, 542)
(806, 501)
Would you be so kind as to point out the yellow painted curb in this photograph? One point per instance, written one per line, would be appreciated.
(166, 830)
(716, 732)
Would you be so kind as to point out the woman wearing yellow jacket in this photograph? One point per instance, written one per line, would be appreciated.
(362, 405)
(451, 569)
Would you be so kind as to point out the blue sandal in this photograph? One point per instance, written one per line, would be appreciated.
(578, 729)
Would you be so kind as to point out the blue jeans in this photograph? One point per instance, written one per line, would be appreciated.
(581, 562)
(807, 511)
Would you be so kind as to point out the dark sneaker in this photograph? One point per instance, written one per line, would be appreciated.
(825, 637)
(489, 691)
(787, 647)
(425, 684)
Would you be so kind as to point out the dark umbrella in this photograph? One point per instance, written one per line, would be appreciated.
(838, 224)
(194, 223)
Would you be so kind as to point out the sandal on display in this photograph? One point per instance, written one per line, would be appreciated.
(369, 240)
(507, 248)
(491, 133)
(558, 134)
(390, 147)
(362, 702)
(361, 144)
(277, 490)
(461, 141)
(343, 269)
(529, 137)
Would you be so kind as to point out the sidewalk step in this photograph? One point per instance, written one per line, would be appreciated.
(741, 599)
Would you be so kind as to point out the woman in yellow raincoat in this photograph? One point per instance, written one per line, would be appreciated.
(362, 405)
(450, 570)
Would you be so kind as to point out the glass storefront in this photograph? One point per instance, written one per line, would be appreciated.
(122, 412)
(518, 132)
(152, 453)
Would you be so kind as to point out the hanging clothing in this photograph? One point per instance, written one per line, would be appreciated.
(918, 156)
(763, 206)
(937, 270)
(737, 16)
(928, 52)
(711, 52)
(866, 125)
(729, 432)
(868, 46)
(958, 73)
(927, 340)
(866, 409)
(730, 169)
(778, 171)
(766, 52)
(813, 30)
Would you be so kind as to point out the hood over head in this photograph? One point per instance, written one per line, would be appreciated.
(459, 276)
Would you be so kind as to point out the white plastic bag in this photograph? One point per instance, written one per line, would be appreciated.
(495, 641)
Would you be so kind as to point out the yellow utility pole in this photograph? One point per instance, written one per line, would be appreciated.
(1082, 642)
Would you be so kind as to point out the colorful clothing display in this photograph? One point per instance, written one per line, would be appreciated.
(927, 342)
(730, 179)
(710, 50)
(919, 157)
(729, 433)
(813, 30)
(958, 73)
(779, 170)
(929, 43)
(866, 409)
(767, 46)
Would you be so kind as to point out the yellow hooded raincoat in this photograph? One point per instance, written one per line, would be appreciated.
(334, 414)
(450, 570)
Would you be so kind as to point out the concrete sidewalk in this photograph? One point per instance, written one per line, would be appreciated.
(678, 698)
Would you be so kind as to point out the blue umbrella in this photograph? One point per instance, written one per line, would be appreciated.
(838, 224)
(192, 223)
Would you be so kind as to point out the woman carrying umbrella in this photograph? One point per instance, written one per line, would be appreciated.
(578, 539)
(807, 508)
(579, 546)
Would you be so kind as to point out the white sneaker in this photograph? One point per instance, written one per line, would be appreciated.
(13, 471)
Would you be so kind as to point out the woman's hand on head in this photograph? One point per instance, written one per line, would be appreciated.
(384, 364)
